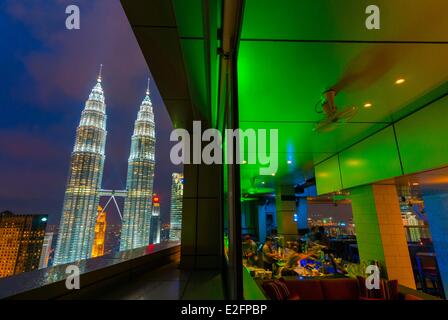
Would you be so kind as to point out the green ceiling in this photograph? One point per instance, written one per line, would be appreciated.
(283, 81)
(422, 138)
(414, 20)
(281, 77)
(373, 159)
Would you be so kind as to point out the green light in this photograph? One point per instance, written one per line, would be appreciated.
(424, 149)
(371, 160)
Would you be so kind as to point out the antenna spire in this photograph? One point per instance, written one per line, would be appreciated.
(147, 88)
(99, 74)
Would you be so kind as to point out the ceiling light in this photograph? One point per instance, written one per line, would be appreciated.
(367, 105)
(400, 81)
(262, 182)
(289, 161)
(273, 174)
(244, 161)
(416, 184)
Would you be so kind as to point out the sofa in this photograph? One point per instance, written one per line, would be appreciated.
(325, 289)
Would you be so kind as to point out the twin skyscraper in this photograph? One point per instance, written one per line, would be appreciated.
(82, 195)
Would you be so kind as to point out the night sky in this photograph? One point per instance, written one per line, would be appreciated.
(47, 73)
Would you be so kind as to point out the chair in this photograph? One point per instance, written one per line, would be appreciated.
(428, 270)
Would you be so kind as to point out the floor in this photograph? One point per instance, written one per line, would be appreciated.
(170, 283)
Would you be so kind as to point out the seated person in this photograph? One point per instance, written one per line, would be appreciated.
(269, 254)
(293, 261)
(250, 250)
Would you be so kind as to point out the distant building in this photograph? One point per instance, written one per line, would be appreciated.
(177, 191)
(52, 228)
(100, 234)
(46, 250)
(165, 232)
(112, 244)
(21, 240)
(155, 220)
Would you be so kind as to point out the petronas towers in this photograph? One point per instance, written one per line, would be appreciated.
(77, 227)
(82, 195)
(138, 203)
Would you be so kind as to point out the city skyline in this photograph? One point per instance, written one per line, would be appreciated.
(21, 242)
(49, 69)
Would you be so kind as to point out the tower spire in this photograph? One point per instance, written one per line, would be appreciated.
(147, 88)
(99, 74)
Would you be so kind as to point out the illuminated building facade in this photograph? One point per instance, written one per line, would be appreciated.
(177, 191)
(165, 232)
(46, 250)
(100, 233)
(155, 220)
(77, 227)
(112, 243)
(137, 207)
(21, 239)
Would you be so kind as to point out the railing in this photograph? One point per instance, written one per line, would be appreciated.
(49, 283)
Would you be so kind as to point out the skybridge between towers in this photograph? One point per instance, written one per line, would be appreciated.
(112, 194)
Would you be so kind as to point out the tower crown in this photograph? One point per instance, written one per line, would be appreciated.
(145, 115)
(147, 100)
(97, 93)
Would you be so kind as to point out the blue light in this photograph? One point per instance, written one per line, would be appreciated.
(295, 217)
(43, 219)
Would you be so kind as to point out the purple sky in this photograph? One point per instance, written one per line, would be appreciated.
(48, 72)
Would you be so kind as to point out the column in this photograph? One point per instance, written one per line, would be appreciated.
(436, 208)
(262, 223)
(302, 213)
(285, 210)
(202, 235)
(249, 223)
(379, 231)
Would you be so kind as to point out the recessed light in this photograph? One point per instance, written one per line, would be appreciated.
(367, 105)
(262, 182)
(244, 161)
(289, 161)
(273, 174)
(400, 81)
(416, 184)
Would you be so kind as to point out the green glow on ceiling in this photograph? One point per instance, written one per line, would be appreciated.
(422, 138)
(371, 160)
(328, 178)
